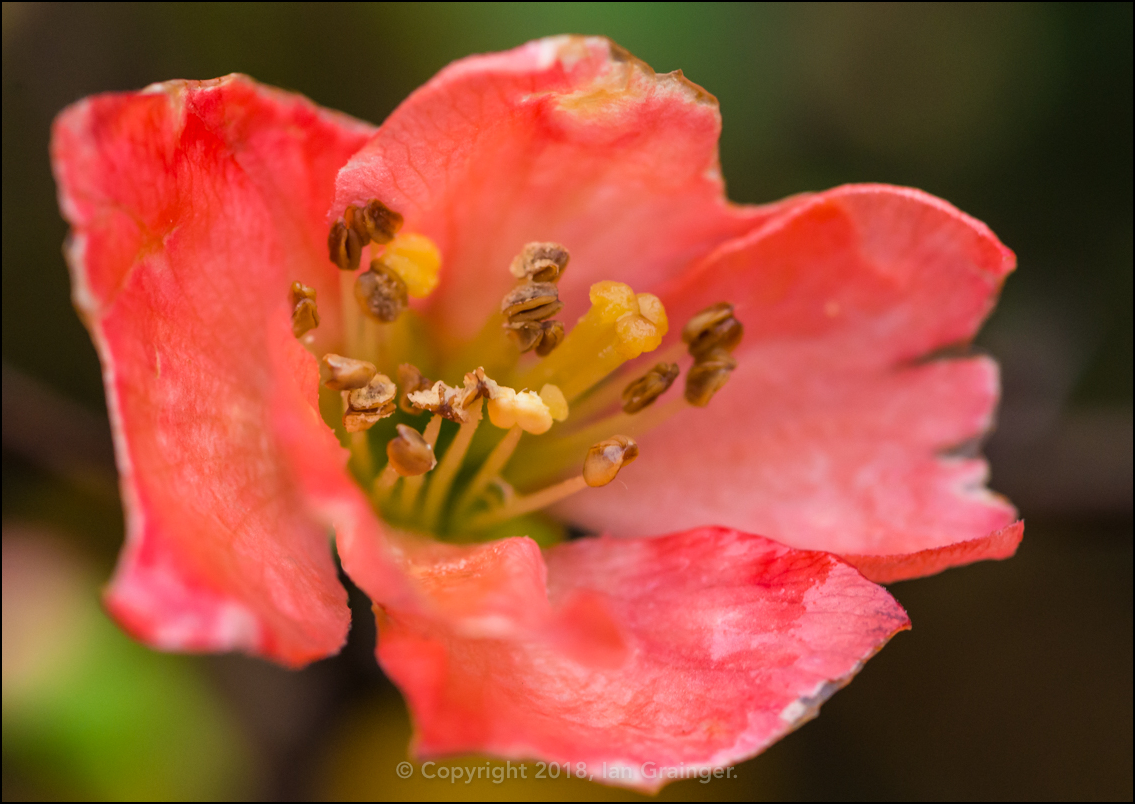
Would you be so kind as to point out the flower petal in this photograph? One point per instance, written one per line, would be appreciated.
(566, 139)
(837, 432)
(707, 645)
(194, 205)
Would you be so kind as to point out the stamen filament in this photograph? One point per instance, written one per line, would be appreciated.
(442, 477)
(353, 337)
(360, 454)
(412, 485)
(491, 467)
(384, 484)
(528, 503)
(553, 457)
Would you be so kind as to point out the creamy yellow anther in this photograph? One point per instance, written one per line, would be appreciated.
(610, 301)
(553, 397)
(416, 259)
(525, 409)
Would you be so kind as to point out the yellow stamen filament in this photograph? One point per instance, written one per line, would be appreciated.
(602, 464)
(442, 477)
(620, 326)
(528, 503)
(384, 484)
(491, 468)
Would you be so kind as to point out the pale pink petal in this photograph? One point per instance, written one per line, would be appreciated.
(567, 139)
(834, 433)
(194, 205)
(707, 646)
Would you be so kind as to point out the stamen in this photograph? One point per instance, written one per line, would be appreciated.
(443, 476)
(381, 293)
(605, 459)
(366, 405)
(707, 376)
(345, 373)
(344, 246)
(412, 485)
(305, 316)
(409, 453)
(534, 301)
(713, 328)
(540, 262)
(375, 222)
(603, 462)
(411, 380)
(643, 391)
(416, 260)
(543, 336)
(711, 335)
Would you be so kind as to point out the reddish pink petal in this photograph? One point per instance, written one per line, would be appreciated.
(194, 205)
(707, 646)
(568, 139)
(831, 435)
(887, 569)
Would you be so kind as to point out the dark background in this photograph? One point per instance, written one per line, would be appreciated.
(1017, 679)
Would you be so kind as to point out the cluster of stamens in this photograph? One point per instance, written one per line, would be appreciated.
(529, 306)
(619, 326)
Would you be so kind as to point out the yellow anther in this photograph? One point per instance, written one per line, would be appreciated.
(553, 397)
(416, 259)
(636, 334)
(610, 301)
(619, 326)
(650, 307)
(525, 409)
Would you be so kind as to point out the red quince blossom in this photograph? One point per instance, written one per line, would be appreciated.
(195, 204)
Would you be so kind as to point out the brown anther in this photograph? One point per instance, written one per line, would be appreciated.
(380, 222)
(543, 336)
(305, 315)
(344, 373)
(707, 376)
(477, 386)
(411, 380)
(713, 328)
(376, 395)
(553, 335)
(344, 246)
(443, 400)
(381, 292)
(540, 262)
(531, 302)
(642, 392)
(409, 453)
(605, 459)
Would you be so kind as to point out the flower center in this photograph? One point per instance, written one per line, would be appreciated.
(561, 416)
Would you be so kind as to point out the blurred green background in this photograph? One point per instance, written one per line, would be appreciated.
(1017, 679)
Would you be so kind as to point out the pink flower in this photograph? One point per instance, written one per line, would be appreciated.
(196, 205)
